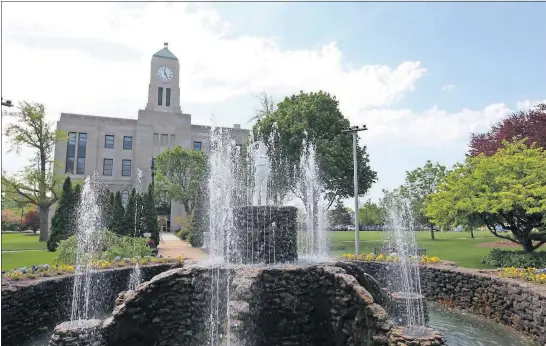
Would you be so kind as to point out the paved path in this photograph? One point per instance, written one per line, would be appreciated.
(171, 246)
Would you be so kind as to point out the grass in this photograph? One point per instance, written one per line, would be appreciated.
(448, 246)
(22, 241)
(14, 260)
(19, 242)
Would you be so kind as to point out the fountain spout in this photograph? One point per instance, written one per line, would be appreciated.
(262, 171)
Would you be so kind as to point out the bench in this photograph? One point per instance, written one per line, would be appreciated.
(390, 249)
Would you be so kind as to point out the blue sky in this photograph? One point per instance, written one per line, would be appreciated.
(421, 76)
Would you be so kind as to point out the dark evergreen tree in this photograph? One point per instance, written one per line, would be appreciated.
(150, 216)
(61, 222)
(130, 213)
(200, 221)
(118, 215)
(110, 212)
(139, 207)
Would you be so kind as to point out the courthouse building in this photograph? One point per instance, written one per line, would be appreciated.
(117, 147)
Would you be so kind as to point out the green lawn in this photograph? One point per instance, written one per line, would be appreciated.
(22, 241)
(449, 246)
(13, 260)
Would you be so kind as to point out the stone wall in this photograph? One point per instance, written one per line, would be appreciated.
(519, 305)
(31, 309)
(265, 234)
(288, 305)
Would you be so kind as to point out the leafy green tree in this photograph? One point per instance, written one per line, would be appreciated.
(118, 215)
(180, 173)
(370, 214)
(506, 189)
(61, 223)
(312, 118)
(420, 183)
(340, 215)
(130, 214)
(36, 183)
(149, 215)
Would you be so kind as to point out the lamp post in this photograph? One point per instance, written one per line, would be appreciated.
(152, 167)
(7, 103)
(354, 130)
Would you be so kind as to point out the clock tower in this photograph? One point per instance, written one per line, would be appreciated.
(164, 90)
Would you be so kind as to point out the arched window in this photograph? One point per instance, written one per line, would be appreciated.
(124, 197)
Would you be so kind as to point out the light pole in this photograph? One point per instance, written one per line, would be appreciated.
(7, 103)
(354, 130)
(152, 167)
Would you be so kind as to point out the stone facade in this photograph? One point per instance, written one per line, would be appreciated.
(513, 303)
(265, 234)
(268, 306)
(117, 147)
(31, 309)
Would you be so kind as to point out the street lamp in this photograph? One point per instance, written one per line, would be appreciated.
(7, 103)
(354, 130)
(152, 167)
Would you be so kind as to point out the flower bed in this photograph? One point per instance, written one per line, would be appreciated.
(534, 275)
(391, 258)
(46, 270)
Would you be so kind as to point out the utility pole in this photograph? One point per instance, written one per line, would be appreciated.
(354, 130)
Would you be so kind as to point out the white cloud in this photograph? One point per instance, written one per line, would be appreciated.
(94, 58)
(448, 87)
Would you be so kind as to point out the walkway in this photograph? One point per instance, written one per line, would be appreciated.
(171, 246)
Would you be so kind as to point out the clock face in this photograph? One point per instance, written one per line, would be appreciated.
(164, 73)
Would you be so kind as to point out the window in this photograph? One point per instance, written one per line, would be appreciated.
(126, 168)
(164, 140)
(159, 96)
(197, 146)
(168, 97)
(82, 143)
(173, 139)
(127, 142)
(107, 166)
(109, 141)
(70, 153)
(124, 197)
(80, 166)
(156, 138)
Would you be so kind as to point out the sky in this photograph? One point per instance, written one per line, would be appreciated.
(421, 76)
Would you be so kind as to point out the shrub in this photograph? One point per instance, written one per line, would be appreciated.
(109, 247)
(517, 259)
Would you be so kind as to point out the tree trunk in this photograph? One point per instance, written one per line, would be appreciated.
(43, 212)
(472, 233)
(432, 231)
(527, 244)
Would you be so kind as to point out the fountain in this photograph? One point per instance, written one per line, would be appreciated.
(255, 289)
(136, 275)
(89, 222)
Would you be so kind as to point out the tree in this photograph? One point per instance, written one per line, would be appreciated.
(109, 211)
(516, 126)
(313, 119)
(506, 189)
(118, 215)
(180, 173)
(31, 220)
(62, 219)
(149, 215)
(10, 221)
(130, 214)
(420, 183)
(267, 106)
(339, 215)
(370, 214)
(36, 183)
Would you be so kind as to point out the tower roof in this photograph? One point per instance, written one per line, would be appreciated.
(165, 53)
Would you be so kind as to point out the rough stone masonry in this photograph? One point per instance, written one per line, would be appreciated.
(286, 305)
